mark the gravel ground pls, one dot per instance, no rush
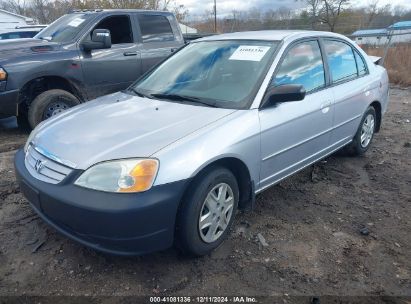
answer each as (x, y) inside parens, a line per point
(303, 238)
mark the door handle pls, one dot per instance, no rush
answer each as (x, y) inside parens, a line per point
(325, 107)
(130, 53)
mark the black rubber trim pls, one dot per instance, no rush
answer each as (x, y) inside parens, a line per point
(8, 103)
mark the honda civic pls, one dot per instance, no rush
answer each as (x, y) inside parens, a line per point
(171, 159)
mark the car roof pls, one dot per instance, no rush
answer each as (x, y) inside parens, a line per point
(270, 35)
(120, 11)
(23, 27)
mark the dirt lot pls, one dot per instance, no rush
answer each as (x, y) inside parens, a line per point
(311, 222)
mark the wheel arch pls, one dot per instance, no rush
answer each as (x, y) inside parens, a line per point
(378, 112)
(34, 87)
(241, 173)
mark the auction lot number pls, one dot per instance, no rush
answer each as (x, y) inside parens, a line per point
(202, 300)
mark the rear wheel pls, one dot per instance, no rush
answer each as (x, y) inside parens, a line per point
(207, 212)
(50, 103)
(365, 133)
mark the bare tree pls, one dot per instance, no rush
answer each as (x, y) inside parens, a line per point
(331, 11)
(314, 8)
(179, 10)
(14, 6)
(371, 11)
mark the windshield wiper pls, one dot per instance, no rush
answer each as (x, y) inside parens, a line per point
(138, 93)
(178, 97)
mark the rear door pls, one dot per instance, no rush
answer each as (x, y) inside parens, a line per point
(158, 38)
(110, 70)
(350, 86)
(294, 134)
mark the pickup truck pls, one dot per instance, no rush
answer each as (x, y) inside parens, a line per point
(81, 56)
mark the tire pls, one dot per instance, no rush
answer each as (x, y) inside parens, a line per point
(192, 240)
(360, 145)
(23, 123)
(50, 103)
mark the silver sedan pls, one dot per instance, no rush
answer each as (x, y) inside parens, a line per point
(171, 159)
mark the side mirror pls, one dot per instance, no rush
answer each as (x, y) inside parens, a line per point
(100, 39)
(283, 93)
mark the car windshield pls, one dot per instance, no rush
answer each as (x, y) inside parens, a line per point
(65, 28)
(223, 74)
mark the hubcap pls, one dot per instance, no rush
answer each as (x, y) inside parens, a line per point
(216, 212)
(367, 130)
(54, 108)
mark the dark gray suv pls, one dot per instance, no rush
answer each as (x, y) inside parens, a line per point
(81, 56)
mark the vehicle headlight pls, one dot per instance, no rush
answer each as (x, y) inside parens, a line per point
(3, 74)
(128, 175)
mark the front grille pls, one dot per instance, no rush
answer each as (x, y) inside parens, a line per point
(44, 168)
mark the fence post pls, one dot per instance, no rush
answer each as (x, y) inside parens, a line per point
(386, 47)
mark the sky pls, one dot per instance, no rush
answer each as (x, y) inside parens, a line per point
(224, 7)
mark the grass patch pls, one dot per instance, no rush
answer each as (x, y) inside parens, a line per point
(397, 62)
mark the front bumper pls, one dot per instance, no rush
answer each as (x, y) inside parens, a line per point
(114, 223)
(8, 103)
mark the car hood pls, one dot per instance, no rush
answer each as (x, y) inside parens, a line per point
(10, 48)
(120, 126)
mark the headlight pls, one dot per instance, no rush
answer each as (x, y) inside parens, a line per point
(129, 175)
(3, 74)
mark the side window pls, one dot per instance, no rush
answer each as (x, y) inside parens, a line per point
(155, 28)
(341, 60)
(303, 65)
(119, 27)
(362, 67)
(14, 36)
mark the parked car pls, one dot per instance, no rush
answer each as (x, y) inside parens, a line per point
(171, 159)
(81, 56)
(28, 31)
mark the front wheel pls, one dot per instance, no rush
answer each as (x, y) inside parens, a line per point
(365, 133)
(207, 212)
(48, 104)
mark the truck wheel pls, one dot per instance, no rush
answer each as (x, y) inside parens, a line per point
(23, 123)
(207, 212)
(48, 104)
(365, 133)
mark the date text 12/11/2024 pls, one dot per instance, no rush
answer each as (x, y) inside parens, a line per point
(204, 299)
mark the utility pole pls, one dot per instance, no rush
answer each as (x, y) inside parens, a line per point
(215, 16)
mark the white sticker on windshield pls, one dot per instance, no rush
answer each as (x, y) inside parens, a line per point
(76, 22)
(249, 52)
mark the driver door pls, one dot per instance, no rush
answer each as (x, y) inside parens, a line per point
(110, 70)
(294, 134)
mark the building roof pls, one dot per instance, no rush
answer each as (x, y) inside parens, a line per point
(16, 15)
(370, 32)
(400, 25)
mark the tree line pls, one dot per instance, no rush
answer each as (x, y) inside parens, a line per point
(330, 15)
(46, 11)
